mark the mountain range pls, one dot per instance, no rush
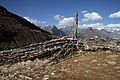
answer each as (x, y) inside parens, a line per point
(85, 33)
(55, 31)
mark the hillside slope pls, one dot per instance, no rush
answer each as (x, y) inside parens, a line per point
(15, 31)
(88, 66)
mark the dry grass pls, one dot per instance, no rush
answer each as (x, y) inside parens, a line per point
(89, 66)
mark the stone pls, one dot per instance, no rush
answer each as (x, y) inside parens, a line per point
(111, 62)
(93, 61)
(52, 73)
(113, 57)
(117, 67)
(75, 60)
(46, 77)
(87, 71)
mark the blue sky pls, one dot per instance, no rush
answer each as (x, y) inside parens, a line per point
(44, 11)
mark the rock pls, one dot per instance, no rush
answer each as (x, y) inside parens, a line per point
(52, 73)
(87, 71)
(25, 77)
(46, 61)
(75, 60)
(111, 62)
(98, 64)
(93, 61)
(28, 61)
(105, 65)
(117, 67)
(46, 77)
(29, 68)
(113, 57)
(37, 77)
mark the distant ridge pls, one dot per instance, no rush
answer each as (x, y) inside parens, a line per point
(55, 31)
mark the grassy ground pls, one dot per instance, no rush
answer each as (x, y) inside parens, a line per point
(88, 66)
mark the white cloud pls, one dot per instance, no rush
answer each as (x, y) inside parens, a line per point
(84, 12)
(91, 16)
(58, 17)
(34, 21)
(84, 20)
(66, 21)
(114, 25)
(98, 26)
(44, 22)
(115, 15)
